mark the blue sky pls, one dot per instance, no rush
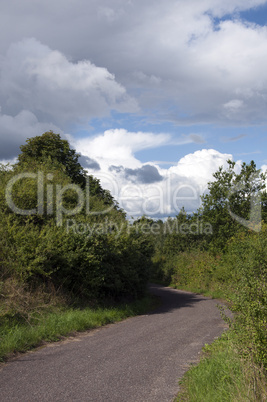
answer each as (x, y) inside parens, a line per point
(155, 95)
(243, 142)
(257, 15)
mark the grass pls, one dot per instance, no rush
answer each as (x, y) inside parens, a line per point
(222, 376)
(52, 326)
(213, 293)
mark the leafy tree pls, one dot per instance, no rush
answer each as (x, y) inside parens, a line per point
(50, 146)
(49, 149)
(232, 200)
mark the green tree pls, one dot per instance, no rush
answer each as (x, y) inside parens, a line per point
(50, 149)
(50, 146)
(232, 200)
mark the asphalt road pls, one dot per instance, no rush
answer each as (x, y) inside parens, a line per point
(139, 359)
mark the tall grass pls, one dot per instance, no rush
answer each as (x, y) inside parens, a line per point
(223, 376)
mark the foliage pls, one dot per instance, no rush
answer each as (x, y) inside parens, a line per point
(249, 261)
(233, 195)
(240, 275)
(93, 258)
(50, 146)
(195, 269)
(50, 150)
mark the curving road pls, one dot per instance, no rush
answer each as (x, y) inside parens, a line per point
(139, 359)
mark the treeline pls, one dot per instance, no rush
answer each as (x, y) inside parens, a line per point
(43, 259)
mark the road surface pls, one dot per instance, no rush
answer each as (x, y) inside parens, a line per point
(140, 359)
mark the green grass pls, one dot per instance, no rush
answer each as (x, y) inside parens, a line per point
(222, 376)
(21, 337)
(213, 293)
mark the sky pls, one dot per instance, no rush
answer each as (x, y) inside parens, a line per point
(154, 95)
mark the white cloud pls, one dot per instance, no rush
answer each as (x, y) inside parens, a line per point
(42, 90)
(200, 164)
(180, 186)
(160, 50)
(117, 147)
(203, 67)
(171, 58)
(146, 188)
(45, 82)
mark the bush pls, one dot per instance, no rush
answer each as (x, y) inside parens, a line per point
(36, 251)
(250, 297)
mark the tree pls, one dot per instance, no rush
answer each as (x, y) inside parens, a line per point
(50, 146)
(234, 201)
(51, 149)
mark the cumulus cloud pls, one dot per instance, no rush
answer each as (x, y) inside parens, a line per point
(213, 70)
(117, 146)
(180, 186)
(200, 164)
(146, 188)
(89, 163)
(147, 174)
(45, 82)
(42, 90)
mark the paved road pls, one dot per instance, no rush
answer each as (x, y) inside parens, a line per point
(139, 359)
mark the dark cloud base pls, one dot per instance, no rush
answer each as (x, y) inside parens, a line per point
(147, 174)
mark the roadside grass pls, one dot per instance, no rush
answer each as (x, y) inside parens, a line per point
(21, 337)
(222, 375)
(213, 293)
